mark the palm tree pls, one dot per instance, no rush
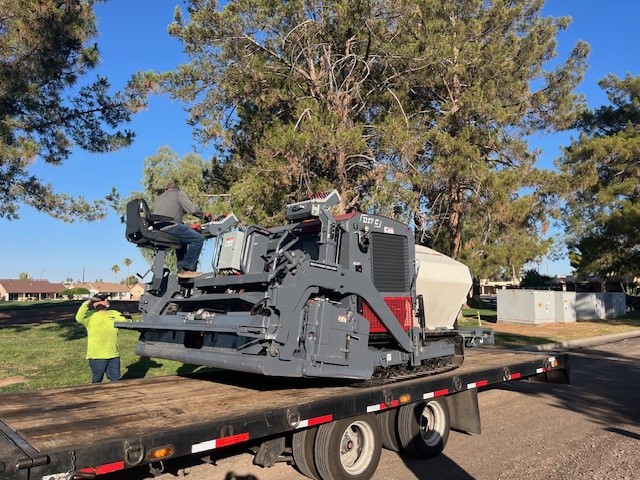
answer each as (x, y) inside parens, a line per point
(115, 269)
(127, 263)
(24, 276)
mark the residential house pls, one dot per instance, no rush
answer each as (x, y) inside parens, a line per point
(487, 289)
(24, 290)
(137, 290)
(117, 291)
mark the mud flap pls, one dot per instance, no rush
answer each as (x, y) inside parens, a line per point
(464, 411)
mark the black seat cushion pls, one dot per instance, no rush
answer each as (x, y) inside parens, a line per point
(144, 228)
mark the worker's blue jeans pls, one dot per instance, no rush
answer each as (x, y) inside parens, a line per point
(100, 366)
(191, 241)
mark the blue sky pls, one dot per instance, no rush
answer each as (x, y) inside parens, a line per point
(133, 36)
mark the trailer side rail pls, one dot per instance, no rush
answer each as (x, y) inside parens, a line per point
(24, 458)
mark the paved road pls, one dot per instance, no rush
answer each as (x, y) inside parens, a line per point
(53, 312)
(588, 430)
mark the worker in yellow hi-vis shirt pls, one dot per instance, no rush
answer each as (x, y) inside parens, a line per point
(102, 337)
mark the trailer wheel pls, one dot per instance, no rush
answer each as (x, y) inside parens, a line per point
(348, 449)
(423, 427)
(389, 428)
(302, 446)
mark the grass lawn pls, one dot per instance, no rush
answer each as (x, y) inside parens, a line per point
(53, 355)
(34, 305)
(515, 336)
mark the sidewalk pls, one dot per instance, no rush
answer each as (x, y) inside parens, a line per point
(583, 342)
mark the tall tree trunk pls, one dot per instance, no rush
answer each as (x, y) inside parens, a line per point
(455, 221)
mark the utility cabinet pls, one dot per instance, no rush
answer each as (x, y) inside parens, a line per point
(535, 307)
(531, 307)
(600, 305)
(565, 305)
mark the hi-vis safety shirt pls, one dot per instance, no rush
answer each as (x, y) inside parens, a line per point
(102, 336)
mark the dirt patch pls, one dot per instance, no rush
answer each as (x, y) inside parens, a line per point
(6, 382)
(564, 331)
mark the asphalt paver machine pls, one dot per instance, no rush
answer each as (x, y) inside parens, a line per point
(347, 296)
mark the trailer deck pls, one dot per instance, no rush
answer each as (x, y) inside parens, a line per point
(110, 427)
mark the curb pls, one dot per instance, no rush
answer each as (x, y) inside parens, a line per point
(583, 342)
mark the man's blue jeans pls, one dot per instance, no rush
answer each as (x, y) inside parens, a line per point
(191, 241)
(100, 366)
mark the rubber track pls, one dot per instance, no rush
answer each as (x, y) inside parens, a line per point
(387, 376)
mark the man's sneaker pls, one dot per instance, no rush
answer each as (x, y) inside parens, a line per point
(188, 274)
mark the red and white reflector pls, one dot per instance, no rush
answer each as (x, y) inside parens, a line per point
(437, 393)
(219, 442)
(310, 422)
(106, 468)
(382, 406)
(478, 384)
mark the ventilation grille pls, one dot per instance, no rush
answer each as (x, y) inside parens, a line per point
(389, 263)
(401, 308)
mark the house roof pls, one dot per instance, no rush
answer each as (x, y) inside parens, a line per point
(31, 286)
(104, 287)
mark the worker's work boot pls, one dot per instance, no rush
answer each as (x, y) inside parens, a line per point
(188, 274)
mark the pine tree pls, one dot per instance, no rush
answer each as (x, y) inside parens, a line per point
(602, 175)
(417, 110)
(45, 49)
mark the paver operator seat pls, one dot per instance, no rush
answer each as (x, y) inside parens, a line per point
(145, 230)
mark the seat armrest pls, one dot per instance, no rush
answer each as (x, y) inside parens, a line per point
(160, 218)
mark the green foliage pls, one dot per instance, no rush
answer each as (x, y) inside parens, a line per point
(532, 279)
(602, 177)
(74, 292)
(415, 110)
(190, 172)
(45, 49)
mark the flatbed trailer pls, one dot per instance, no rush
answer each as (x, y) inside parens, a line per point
(83, 431)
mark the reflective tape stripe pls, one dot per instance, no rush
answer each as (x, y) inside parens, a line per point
(481, 383)
(382, 406)
(437, 393)
(315, 421)
(219, 442)
(107, 468)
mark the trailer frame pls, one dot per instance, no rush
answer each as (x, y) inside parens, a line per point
(61, 433)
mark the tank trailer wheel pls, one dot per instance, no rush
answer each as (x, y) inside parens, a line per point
(302, 447)
(389, 427)
(423, 427)
(348, 449)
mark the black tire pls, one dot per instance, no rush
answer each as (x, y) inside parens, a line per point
(389, 428)
(423, 427)
(302, 447)
(348, 449)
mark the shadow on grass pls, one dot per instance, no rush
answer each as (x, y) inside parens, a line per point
(631, 319)
(53, 304)
(188, 368)
(15, 328)
(471, 314)
(67, 331)
(512, 340)
(140, 368)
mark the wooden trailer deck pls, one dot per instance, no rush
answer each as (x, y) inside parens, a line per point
(65, 418)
